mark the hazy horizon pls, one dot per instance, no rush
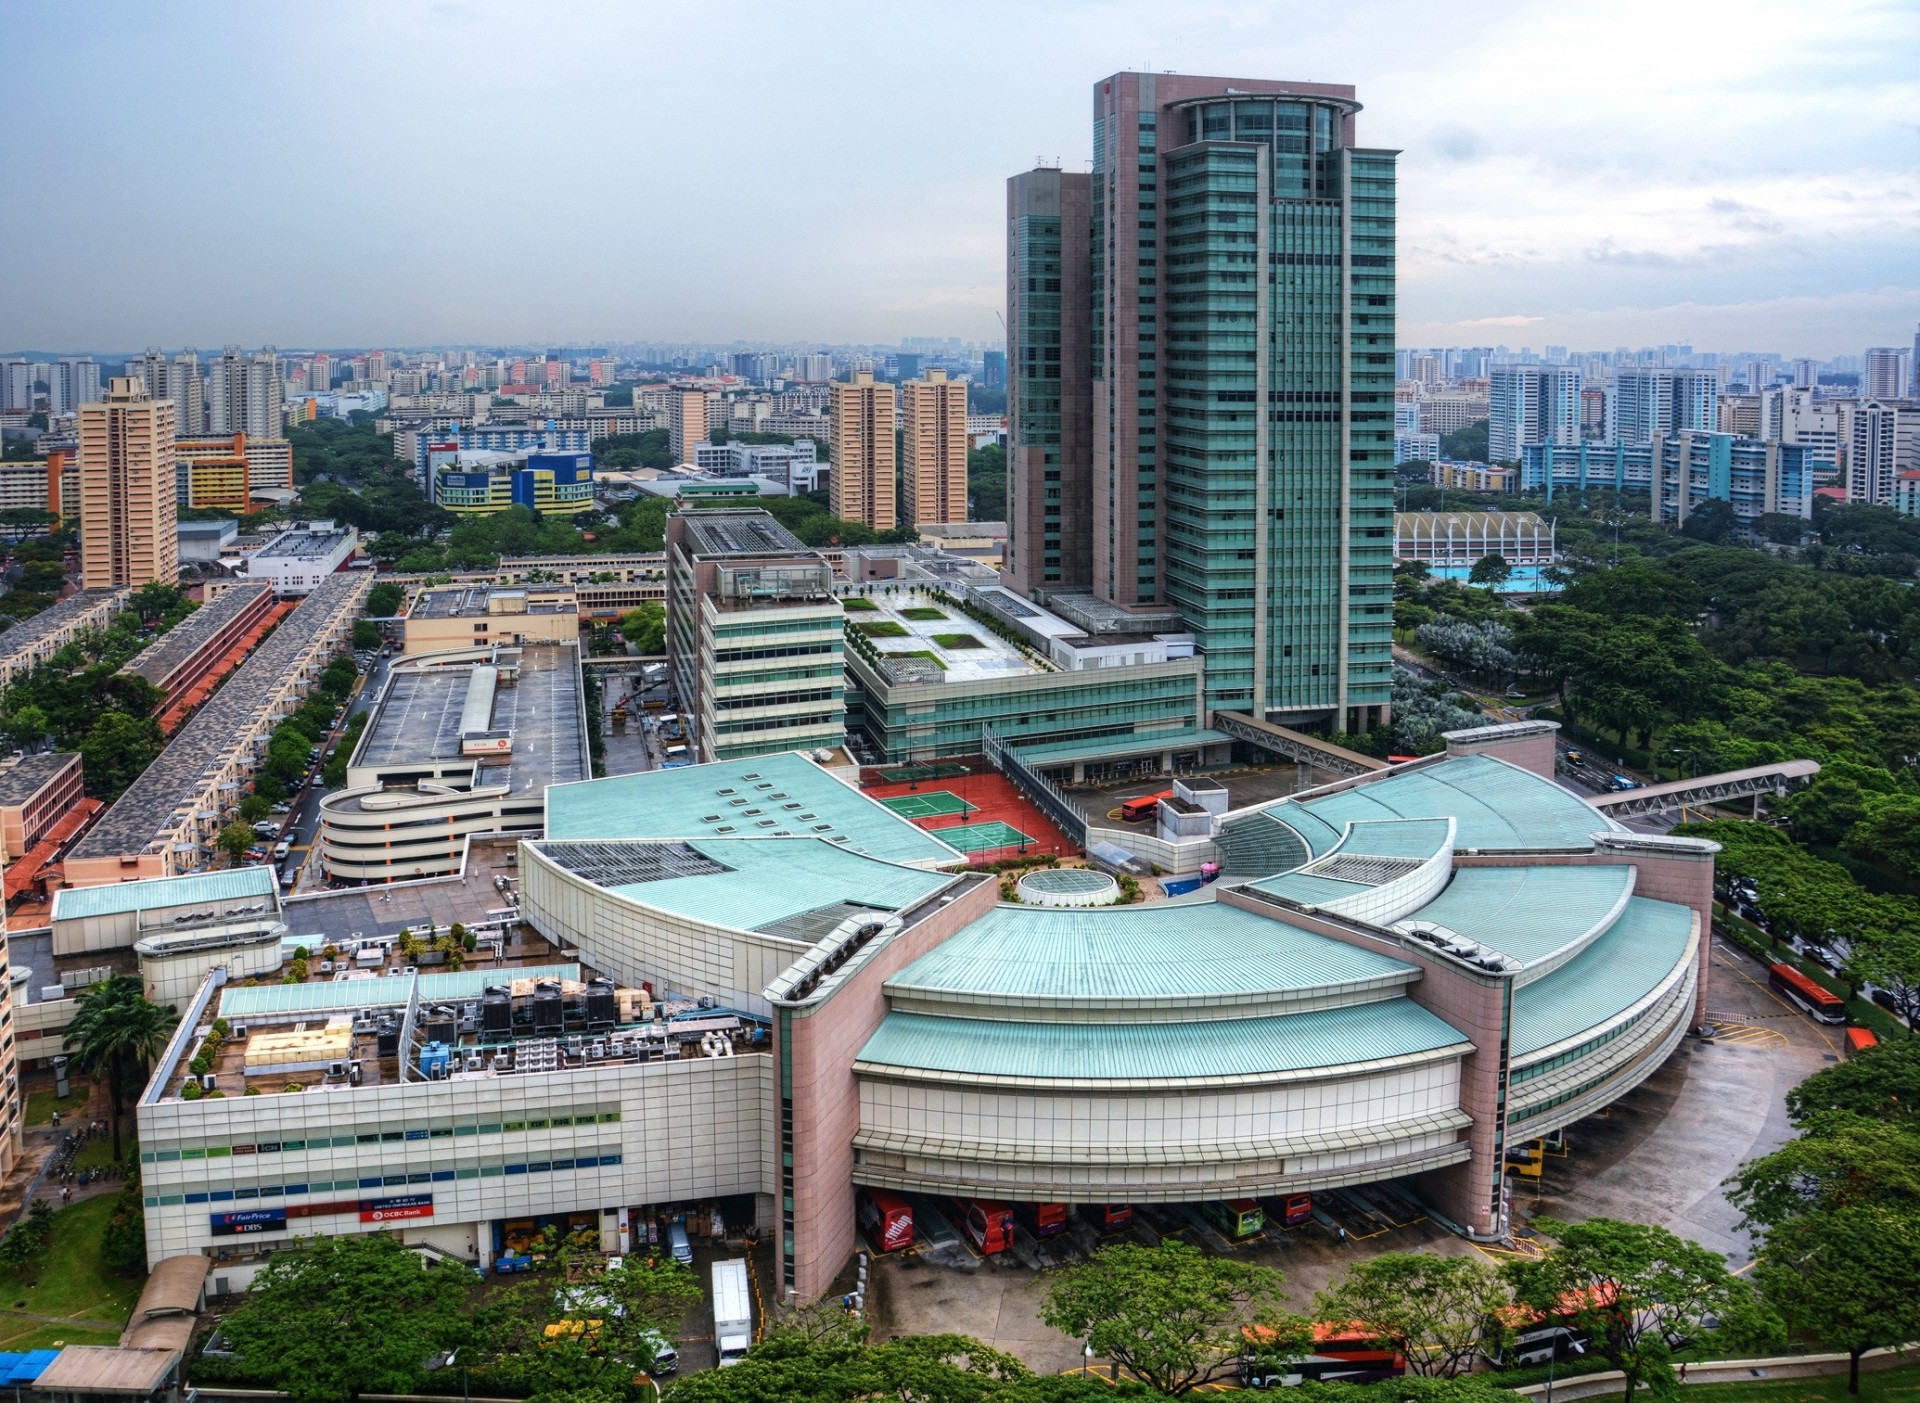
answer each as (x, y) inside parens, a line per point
(1738, 177)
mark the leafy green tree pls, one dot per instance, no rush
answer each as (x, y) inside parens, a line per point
(1880, 1083)
(1434, 1309)
(1888, 955)
(1842, 1161)
(255, 807)
(645, 627)
(987, 483)
(1466, 445)
(332, 1317)
(116, 1033)
(1712, 521)
(28, 725)
(116, 751)
(234, 840)
(1638, 1291)
(366, 636)
(1493, 570)
(1171, 1315)
(153, 601)
(384, 600)
(1846, 1279)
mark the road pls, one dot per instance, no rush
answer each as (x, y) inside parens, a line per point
(303, 823)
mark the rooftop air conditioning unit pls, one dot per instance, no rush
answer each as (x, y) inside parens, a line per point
(238, 1030)
(209, 1081)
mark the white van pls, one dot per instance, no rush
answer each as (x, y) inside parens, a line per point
(281, 849)
(678, 1244)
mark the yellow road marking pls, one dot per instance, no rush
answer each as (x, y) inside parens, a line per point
(1734, 965)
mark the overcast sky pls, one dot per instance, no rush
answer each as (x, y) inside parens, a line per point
(359, 172)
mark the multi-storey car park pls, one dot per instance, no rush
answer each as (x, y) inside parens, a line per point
(460, 743)
(1397, 975)
(166, 822)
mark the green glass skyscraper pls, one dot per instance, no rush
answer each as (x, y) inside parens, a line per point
(1235, 461)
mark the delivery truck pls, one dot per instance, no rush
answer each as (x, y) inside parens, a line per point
(732, 1312)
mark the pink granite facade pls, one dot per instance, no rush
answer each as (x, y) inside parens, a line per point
(821, 1100)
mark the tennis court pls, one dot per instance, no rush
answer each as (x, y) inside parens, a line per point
(907, 773)
(938, 804)
(980, 837)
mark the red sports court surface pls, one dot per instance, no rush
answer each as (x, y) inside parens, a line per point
(993, 799)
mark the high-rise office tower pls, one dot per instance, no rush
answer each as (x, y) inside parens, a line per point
(993, 370)
(129, 534)
(933, 412)
(686, 423)
(76, 381)
(245, 393)
(861, 427)
(1650, 402)
(1883, 373)
(1239, 253)
(1049, 409)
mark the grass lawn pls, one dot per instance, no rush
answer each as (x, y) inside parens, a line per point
(98, 1154)
(38, 1335)
(919, 653)
(854, 604)
(42, 1104)
(69, 1281)
(1827, 1388)
(957, 640)
(883, 628)
(922, 613)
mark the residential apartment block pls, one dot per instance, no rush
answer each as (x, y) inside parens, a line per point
(863, 454)
(127, 490)
(934, 418)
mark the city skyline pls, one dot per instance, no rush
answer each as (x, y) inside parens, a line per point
(1564, 178)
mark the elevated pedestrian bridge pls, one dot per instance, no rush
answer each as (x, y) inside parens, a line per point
(1781, 778)
(1295, 745)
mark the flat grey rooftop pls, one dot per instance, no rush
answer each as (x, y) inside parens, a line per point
(469, 602)
(29, 632)
(174, 649)
(208, 739)
(302, 545)
(25, 778)
(420, 718)
(711, 532)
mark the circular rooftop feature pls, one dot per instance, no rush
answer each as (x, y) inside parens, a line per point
(1068, 886)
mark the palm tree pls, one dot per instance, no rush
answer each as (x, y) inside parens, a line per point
(116, 1033)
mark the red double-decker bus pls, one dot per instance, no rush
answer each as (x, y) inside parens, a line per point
(1813, 999)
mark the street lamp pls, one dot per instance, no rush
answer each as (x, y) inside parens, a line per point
(1086, 1359)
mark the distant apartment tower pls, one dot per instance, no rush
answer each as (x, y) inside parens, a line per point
(76, 381)
(1883, 372)
(128, 518)
(1531, 404)
(1650, 402)
(934, 416)
(993, 370)
(1240, 436)
(1884, 442)
(245, 393)
(16, 384)
(686, 423)
(177, 380)
(862, 424)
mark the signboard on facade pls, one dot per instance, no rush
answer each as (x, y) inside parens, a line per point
(248, 1220)
(387, 1210)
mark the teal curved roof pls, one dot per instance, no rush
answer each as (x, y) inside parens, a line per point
(1208, 950)
(1418, 838)
(1237, 1047)
(698, 801)
(1605, 979)
(771, 880)
(1529, 913)
(1497, 806)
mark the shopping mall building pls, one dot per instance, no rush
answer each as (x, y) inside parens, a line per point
(756, 987)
